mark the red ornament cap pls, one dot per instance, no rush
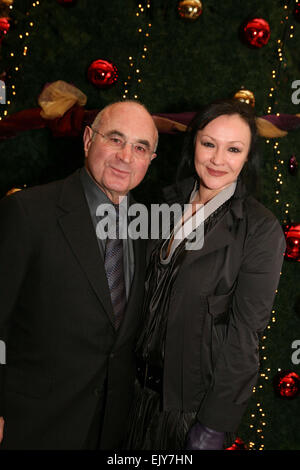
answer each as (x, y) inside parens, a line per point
(102, 73)
(257, 32)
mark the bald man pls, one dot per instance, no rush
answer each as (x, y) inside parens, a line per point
(70, 299)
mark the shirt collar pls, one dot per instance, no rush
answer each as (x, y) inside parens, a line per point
(95, 195)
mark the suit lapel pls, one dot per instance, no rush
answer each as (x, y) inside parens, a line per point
(77, 226)
(132, 313)
(130, 320)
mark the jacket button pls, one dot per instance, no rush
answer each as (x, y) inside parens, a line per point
(97, 392)
(112, 355)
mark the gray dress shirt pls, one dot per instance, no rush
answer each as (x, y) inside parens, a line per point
(96, 197)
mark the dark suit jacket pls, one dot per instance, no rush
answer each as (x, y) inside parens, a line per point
(57, 320)
(220, 303)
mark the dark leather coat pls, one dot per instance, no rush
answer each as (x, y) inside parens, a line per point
(219, 304)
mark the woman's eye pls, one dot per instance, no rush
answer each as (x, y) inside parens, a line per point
(207, 144)
(234, 150)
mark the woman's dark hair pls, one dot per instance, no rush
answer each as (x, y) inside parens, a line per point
(206, 115)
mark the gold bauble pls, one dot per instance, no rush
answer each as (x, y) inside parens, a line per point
(13, 190)
(245, 96)
(190, 9)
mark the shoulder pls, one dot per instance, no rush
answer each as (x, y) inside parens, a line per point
(258, 214)
(247, 207)
(30, 203)
(37, 194)
(37, 198)
(262, 224)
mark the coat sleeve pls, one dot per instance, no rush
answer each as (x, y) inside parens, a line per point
(13, 256)
(237, 365)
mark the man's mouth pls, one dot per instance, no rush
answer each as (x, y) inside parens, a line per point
(120, 172)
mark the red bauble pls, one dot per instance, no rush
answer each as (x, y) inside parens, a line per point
(66, 3)
(297, 11)
(257, 32)
(4, 27)
(238, 445)
(287, 384)
(292, 237)
(293, 165)
(102, 73)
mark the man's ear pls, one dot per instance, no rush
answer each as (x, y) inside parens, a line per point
(154, 155)
(87, 139)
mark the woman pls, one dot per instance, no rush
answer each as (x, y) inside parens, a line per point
(206, 307)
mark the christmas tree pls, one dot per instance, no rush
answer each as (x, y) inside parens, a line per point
(173, 57)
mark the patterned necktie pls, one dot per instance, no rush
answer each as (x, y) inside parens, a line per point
(113, 263)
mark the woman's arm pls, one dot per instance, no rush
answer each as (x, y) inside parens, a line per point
(237, 365)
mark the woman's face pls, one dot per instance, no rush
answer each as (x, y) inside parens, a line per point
(221, 149)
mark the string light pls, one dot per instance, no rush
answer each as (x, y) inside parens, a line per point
(278, 167)
(259, 417)
(134, 79)
(22, 36)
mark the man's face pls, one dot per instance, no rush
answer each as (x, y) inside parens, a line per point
(118, 170)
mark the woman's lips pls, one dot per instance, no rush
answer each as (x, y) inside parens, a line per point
(215, 172)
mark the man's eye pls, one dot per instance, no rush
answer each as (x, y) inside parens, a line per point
(115, 140)
(234, 150)
(140, 149)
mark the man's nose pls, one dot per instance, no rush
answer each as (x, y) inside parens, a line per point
(125, 153)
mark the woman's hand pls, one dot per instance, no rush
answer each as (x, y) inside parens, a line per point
(203, 438)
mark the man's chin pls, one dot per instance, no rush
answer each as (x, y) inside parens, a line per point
(120, 188)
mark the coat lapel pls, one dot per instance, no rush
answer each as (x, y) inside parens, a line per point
(132, 313)
(77, 226)
(218, 237)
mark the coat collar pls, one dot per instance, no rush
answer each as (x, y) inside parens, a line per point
(238, 198)
(180, 193)
(223, 233)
